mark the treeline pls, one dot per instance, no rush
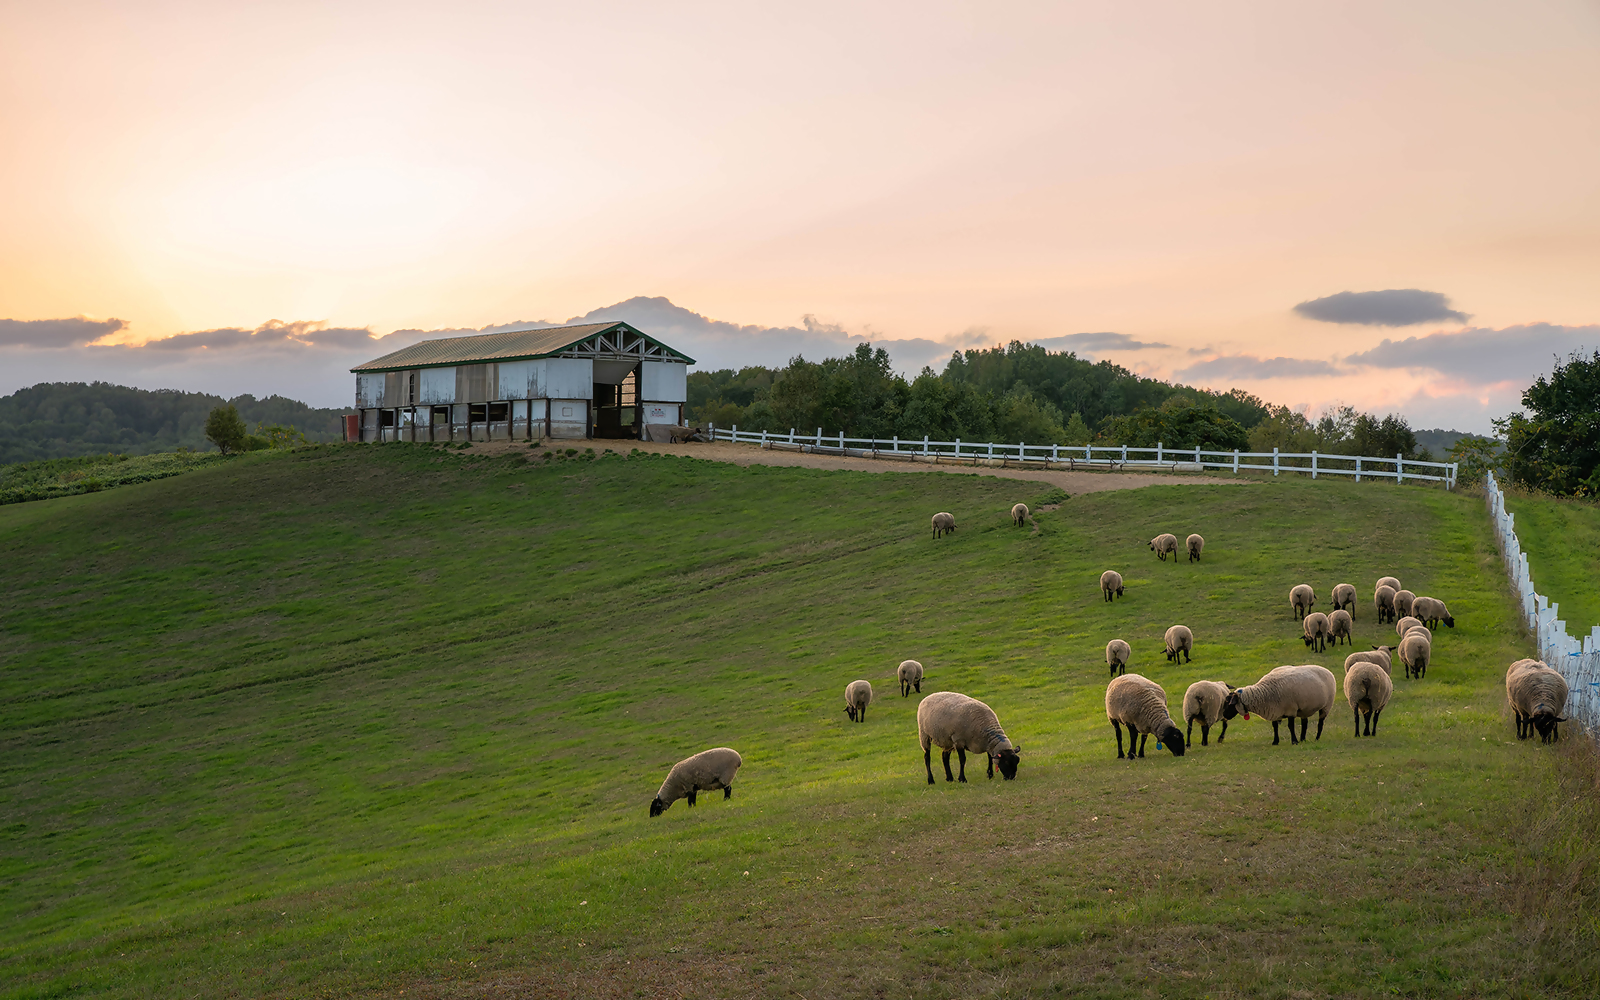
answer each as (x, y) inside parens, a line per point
(1023, 392)
(65, 419)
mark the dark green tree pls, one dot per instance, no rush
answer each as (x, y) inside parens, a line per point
(225, 429)
(1556, 445)
(1179, 424)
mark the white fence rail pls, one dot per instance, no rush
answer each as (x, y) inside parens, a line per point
(1398, 468)
(1578, 660)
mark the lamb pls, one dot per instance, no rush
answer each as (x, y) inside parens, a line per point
(1140, 704)
(1301, 599)
(1538, 696)
(1405, 625)
(1288, 692)
(1019, 514)
(944, 522)
(1390, 582)
(1415, 651)
(1179, 640)
(1432, 611)
(706, 771)
(1203, 701)
(1162, 544)
(1194, 543)
(1383, 597)
(1402, 602)
(1344, 597)
(1118, 653)
(1377, 654)
(857, 696)
(1367, 688)
(1341, 626)
(956, 722)
(910, 674)
(1111, 582)
(1315, 627)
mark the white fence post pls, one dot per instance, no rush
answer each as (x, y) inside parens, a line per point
(1055, 452)
(841, 441)
(924, 444)
(1358, 468)
(1313, 463)
(1274, 461)
(1158, 452)
(1197, 458)
(897, 444)
(819, 437)
(712, 425)
(791, 435)
(1399, 467)
(1124, 454)
(1236, 461)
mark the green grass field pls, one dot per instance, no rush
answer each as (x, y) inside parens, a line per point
(1562, 539)
(357, 720)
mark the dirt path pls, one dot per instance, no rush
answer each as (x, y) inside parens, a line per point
(1075, 483)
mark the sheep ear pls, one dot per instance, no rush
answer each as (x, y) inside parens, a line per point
(1016, 748)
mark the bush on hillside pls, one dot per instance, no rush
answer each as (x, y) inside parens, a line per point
(226, 430)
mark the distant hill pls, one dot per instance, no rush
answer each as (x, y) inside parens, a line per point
(1440, 440)
(66, 419)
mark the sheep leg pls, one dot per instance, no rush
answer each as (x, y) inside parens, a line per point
(863, 714)
(1305, 724)
(1144, 737)
(991, 768)
(1224, 731)
(1118, 727)
(927, 760)
(963, 755)
(1205, 736)
(1188, 739)
(1321, 716)
(1275, 732)
(691, 798)
(727, 792)
(1372, 723)
(1186, 657)
(948, 774)
(919, 687)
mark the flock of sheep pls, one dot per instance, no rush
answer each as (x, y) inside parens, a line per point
(958, 723)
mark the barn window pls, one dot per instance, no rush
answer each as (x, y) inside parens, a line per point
(499, 412)
(478, 413)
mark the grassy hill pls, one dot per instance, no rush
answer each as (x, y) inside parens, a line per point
(1562, 538)
(355, 720)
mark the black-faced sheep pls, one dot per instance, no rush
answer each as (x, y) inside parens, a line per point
(677, 434)
(857, 696)
(1383, 600)
(1289, 692)
(1301, 599)
(1019, 514)
(1195, 544)
(1203, 701)
(956, 722)
(1415, 651)
(910, 674)
(1380, 655)
(1161, 545)
(1388, 581)
(1179, 640)
(1367, 688)
(1140, 704)
(1111, 583)
(1118, 653)
(706, 771)
(1538, 696)
(944, 523)
(1406, 624)
(1341, 626)
(1315, 629)
(1344, 597)
(1432, 611)
(1402, 602)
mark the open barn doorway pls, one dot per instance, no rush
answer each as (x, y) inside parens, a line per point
(616, 399)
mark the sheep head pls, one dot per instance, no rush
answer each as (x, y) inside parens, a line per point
(1234, 705)
(1449, 621)
(657, 807)
(1007, 761)
(1172, 738)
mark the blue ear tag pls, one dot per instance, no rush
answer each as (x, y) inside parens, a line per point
(1158, 744)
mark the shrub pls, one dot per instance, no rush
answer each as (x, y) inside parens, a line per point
(225, 429)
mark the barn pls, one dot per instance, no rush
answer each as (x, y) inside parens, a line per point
(599, 380)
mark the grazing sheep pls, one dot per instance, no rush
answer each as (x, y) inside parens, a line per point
(955, 722)
(1415, 651)
(1019, 514)
(1432, 611)
(1344, 598)
(1538, 696)
(944, 522)
(1377, 654)
(1405, 625)
(1383, 598)
(1301, 599)
(1179, 640)
(1288, 692)
(1118, 653)
(1140, 704)
(706, 771)
(1367, 688)
(1388, 581)
(1111, 582)
(1421, 630)
(1203, 701)
(1163, 544)
(910, 674)
(677, 434)
(1341, 626)
(857, 696)
(1315, 627)
(1402, 602)
(1195, 544)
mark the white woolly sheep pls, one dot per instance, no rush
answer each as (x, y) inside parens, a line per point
(1406, 624)
(1179, 640)
(1388, 581)
(1538, 696)
(1301, 599)
(1432, 611)
(1383, 599)
(1344, 597)
(1341, 626)
(1421, 630)
(706, 771)
(857, 696)
(1367, 688)
(1019, 514)
(1195, 545)
(956, 722)
(1140, 704)
(1402, 602)
(1203, 701)
(1163, 544)
(910, 674)
(944, 522)
(1315, 628)
(1415, 651)
(1118, 653)
(1381, 655)
(1289, 692)
(1111, 583)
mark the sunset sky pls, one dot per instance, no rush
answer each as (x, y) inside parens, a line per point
(244, 197)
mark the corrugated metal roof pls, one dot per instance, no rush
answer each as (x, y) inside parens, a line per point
(511, 345)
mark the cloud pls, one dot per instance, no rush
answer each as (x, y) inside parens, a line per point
(1097, 342)
(1245, 366)
(1482, 355)
(271, 333)
(1391, 307)
(56, 332)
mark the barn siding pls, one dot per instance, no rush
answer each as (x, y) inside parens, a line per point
(369, 390)
(438, 385)
(569, 378)
(664, 381)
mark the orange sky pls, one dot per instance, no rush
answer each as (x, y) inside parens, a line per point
(1183, 174)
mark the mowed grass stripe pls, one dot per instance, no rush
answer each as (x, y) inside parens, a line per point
(373, 718)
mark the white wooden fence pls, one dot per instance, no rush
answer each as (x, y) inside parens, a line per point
(1578, 660)
(1398, 468)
